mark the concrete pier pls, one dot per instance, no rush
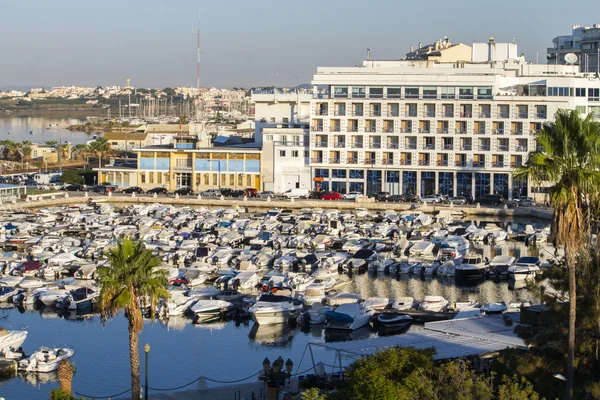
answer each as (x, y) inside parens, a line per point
(8, 368)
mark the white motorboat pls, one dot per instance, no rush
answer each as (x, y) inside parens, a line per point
(275, 307)
(472, 268)
(350, 316)
(51, 297)
(314, 293)
(499, 266)
(376, 303)
(179, 304)
(403, 303)
(421, 248)
(88, 271)
(11, 340)
(209, 310)
(433, 303)
(447, 269)
(45, 359)
(343, 298)
(7, 293)
(245, 280)
(393, 322)
(494, 308)
(315, 315)
(524, 269)
(29, 282)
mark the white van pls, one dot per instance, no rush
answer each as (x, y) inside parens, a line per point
(297, 193)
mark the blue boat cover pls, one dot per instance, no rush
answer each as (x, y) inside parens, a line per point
(339, 317)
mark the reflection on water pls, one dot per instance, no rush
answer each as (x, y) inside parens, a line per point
(44, 129)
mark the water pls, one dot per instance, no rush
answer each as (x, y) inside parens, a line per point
(44, 129)
(181, 352)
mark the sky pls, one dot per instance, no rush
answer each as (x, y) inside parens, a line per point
(248, 43)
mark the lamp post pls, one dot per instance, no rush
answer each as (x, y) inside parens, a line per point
(273, 373)
(146, 350)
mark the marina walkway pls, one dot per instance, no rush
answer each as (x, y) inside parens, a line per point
(242, 391)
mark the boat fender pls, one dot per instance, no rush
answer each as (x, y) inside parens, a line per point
(264, 288)
(274, 290)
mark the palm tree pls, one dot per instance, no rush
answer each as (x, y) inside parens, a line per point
(568, 156)
(131, 276)
(99, 146)
(51, 143)
(80, 149)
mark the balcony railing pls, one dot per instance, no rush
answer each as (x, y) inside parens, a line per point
(503, 148)
(424, 130)
(423, 162)
(353, 129)
(478, 131)
(339, 113)
(449, 114)
(411, 146)
(321, 144)
(335, 128)
(478, 164)
(376, 113)
(406, 130)
(465, 115)
(316, 160)
(430, 114)
(357, 113)
(357, 145)
(516, 132)
(388, 161)
(374, 145)
(442, 163)
(352, 160)
(369, 161)
(484, 147)
(340, 144)
(498, 164)
(411, 114)
(461, 131)
(523, 115)
(541, 115)
(394, 113)
(340, 95)
(448, 146)
(498, 131)
(388, 129)
(406, 162)
(376, 95)
(430, 146)
(466, 147)
(318, 128)
(484, 115)
(442, 130)
(516, 164)
(521, 148)
(370, 129)
(503, 115)
(460, 163)
(323, 112)
(393, 145)
(334, 160)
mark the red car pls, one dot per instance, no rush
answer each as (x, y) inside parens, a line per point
(331, 196)
(250, 192)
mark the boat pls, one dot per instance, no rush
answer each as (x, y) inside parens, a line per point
(433, 303)
(275, 307)
(494, 308)
(343, 298)
(178, 304)
(209, 310)
(11, 340)
(525, 268)
(315, 315)
(421, 248)
(499, 266)
(376, 303)
(471, 268)
(403, 303)
(351, 316)
(7, 293)
(45, 359)
(79, 299)
(51, 297)
(391, 322)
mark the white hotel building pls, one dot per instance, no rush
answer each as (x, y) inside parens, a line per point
(451, 121)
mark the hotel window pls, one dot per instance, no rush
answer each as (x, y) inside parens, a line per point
(206, 179)
(340, 91)
(198, 179)
(338, 173)
(429, 92)
(447, 92)
(376, 92)
(159, 178)
(231, 180)
(465, 93)
(240, 180)
(249, 180)
(272, 120)
(283, 140)
(593, 94)
(358, 92)
(281, 153)
(143, 177)
(294, 153)
(393, 93)
(305, 153)
(215, 179)
(286, 120)
(268, 137)
(579, 92)
(411, 92)
(484, 92)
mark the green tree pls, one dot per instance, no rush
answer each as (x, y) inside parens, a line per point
(132, 276)
(51, 143)
(26, 149)
(99, 147)
(70, 177)
(568, 158)
(313, 394)
(80, 150)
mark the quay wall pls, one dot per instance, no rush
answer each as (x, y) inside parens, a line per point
(261, 205)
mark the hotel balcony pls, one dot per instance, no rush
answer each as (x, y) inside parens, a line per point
(484, 115)
(352, 161)
(516, 132)
(523, 115)
(484, 147)
(340, 144)
(318, 128)
(478, 164)
(516, 164)
(429, 146)
(541, 115)
(405, 162)
(498, 164)
(353, 128)
(375, 145)
(498, 131)
(503, 148)
(448, 147)
(406, 130)
(411, 146)
(334, 160)
(442, 163)
(424, 162)
(521, 148)
(320, 144)
(466, 147)
(316, 160)
(460, 163)
(442, 130)
(503, 115)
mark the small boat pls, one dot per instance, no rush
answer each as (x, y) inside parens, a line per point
(348, 317)
(403, 303)
(421, 248)
(209, 310)
(524, 269)
(51, 297)
(7, 293)
(499, 266)
(315, 315)
(376, 303)
(494, 308)
(471, 268)
(433, 303)
(343, 298)
(45, 359)
(11, 340)
(393, 322)
(275, 307)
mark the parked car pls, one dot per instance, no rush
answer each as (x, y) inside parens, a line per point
(133, 189)
(109, 186)
(237, 193)
(491, 199)
(296, 193)
(397, 198)
(382, 196)
(265, 194)
(99, 189)
(524, 202)
(455, 200)
(157, 190)
(432, 198)
(211, 192)
(226, 192)
(331, 196)
(186, 191)
(410, 197)
(250, 192)
(353, 196)
(76, 187)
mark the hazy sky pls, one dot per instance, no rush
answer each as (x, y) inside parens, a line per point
(249, 43)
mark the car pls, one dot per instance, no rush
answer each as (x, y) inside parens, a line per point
(109, 186)
(432, 198)
(226, 192)
(99, 189)
(382, 196)
(237, 193)
(331, 196)
(456, 200)
(491, 199)
(524, 202)
(157, 190)
(353, 196)
(186, 191)
(133, 189)
(397, 198)
(297, 193)
(265, 194)
(250, 192)
(76, 187)
(211, 192)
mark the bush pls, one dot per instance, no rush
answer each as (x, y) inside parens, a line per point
(70, 177)
(59, 394)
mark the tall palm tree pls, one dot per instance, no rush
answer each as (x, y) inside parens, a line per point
(132, 275)
(568, 156)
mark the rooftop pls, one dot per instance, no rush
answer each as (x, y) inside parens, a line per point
(125, 136)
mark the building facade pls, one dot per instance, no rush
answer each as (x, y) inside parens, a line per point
(584, 42)
(418, 127)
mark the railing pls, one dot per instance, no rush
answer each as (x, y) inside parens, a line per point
(460, 163)
(430, 114)
(369, 161)
(498, 131)
(388, 129)
(424, 130)
(465, 96)
(498, 164)
(405, 162)
(394, 113)
(448, 96)
(321, 144)
(521, 148)
(357, 113)
(442, 163)
(449, 114)
(334, 160)
(423, 162)
(318, 128)
(484, 115)
(335, 128)
(478, 131)
(522, 115)
(411, 95)
(411, 146)
(374, 145)
(448, 147)
(376, 95)
(376, 113)
(516, 164)
(340, 95)
(479, 164)
(465, 115)
(339, 113)
(541, 115)
(387, 162)
(442, 130)
(516, 132)
(503, 115)
(503, 148)
(370, 129)
(484, 147)
(393, 95)
(428, 147)
(340, 144)
(461, 131)
(323, 112)
(353, 129)
(411, 114)
(466, 147)
(359, 95)
(393, 146)
(357, 145)
(406, 130)
(352, 160)
(316, 160)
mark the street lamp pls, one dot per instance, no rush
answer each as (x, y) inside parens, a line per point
(273, 373)
(146, 350)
